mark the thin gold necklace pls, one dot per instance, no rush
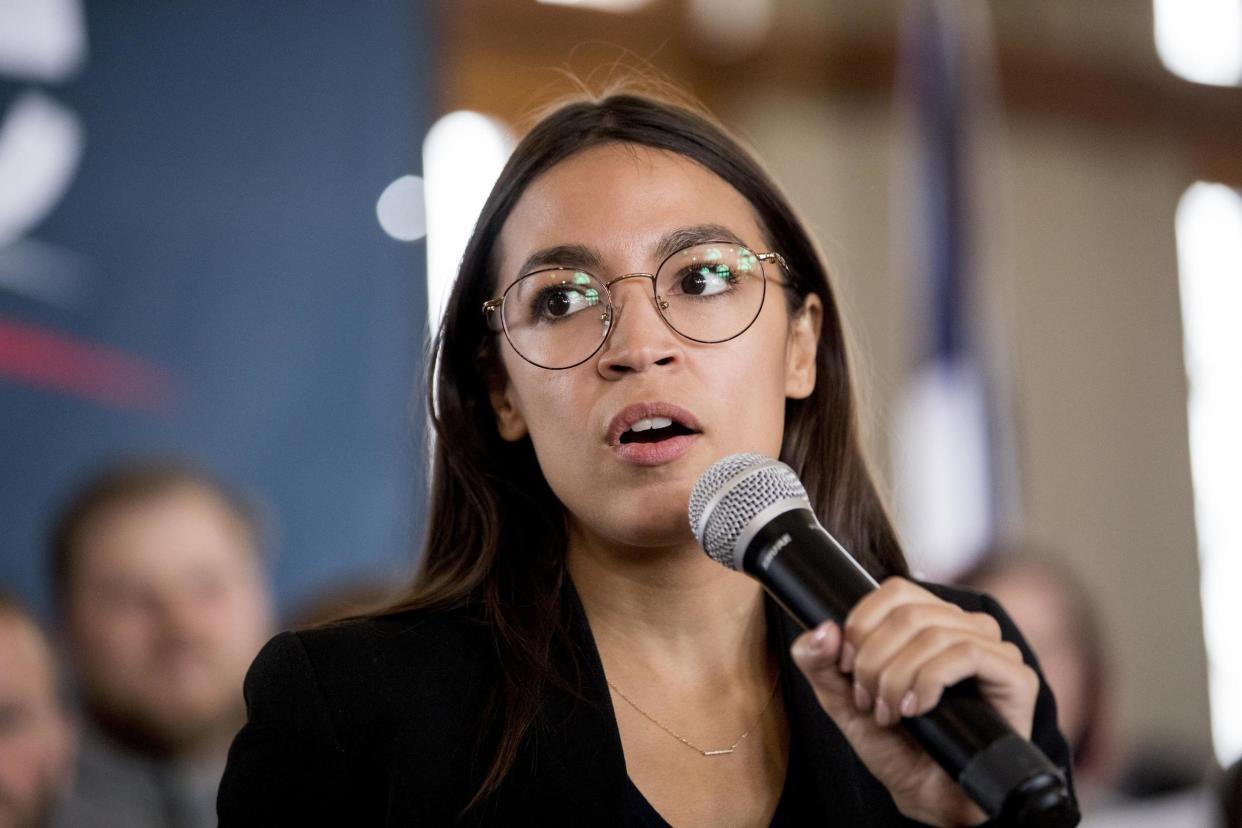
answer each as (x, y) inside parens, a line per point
(687, 742)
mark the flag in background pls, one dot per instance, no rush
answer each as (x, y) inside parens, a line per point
(955, 471)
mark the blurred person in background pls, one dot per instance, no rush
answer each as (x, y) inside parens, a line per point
(37, 735)
(162, 599)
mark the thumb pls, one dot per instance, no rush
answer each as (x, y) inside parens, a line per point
(816, 652)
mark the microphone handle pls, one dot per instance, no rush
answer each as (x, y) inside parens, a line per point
(815, 579)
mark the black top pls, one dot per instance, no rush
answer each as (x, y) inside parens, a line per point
(375, 722)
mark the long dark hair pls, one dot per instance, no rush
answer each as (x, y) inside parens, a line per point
(496, 533)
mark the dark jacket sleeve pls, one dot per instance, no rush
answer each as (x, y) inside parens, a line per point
(286, 765)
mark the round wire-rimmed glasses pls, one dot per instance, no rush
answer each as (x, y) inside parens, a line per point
(558, 317)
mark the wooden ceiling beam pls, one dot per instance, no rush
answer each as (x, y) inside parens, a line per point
(504, 56)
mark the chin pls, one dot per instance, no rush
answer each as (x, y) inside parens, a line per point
(653, 529)
(168, 733)
(169, 729)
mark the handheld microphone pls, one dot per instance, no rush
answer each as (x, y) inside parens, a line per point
(751, 513)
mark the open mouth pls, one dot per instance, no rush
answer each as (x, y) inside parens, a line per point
(653, 430)
(652, 433)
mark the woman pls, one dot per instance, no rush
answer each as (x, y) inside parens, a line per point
(637, 301)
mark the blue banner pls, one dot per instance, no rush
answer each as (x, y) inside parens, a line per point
(190, 264)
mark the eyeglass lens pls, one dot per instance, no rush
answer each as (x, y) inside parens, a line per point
(707, 293)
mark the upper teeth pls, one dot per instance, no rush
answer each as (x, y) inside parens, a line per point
(653, 422)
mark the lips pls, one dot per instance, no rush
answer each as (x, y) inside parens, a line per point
(637, 432)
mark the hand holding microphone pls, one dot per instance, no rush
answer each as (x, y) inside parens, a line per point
(962, 693)
(915, 645)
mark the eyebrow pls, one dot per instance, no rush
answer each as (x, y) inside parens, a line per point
(582, 257)
(562, 255)
(684, 237)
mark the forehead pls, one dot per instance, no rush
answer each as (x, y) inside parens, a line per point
(179, 527)
(619, 201)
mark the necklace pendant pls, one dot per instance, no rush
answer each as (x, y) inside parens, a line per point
(682, 739)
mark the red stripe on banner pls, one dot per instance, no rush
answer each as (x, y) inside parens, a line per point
(46, 359)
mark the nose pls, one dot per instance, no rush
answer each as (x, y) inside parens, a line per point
(640, 338)
(179, 615)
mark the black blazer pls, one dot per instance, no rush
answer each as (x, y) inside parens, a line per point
(375, 722)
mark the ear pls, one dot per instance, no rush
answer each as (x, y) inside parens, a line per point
(510, 423)
(801, 347)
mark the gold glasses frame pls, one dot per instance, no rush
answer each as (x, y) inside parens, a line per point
(493, 308)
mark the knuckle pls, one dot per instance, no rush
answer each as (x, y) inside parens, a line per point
(851, 632)
(894, 586)
(935, 638)
(1031, 678)
(967, 650)
(852, 627)
(890, 684)
(906, 616)
(931, 678)
(988, 625)
(864, 672)
(926, 682)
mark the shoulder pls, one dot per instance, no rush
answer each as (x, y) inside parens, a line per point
(358, 673)
(439, 640)
(335, 713)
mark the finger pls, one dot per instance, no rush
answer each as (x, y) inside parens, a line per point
(816, 653)
(869, 612)
(906, 622)
(895, 690)
(1010, 685)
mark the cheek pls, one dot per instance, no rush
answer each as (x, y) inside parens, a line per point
(556, 418)
(113, 633)
(749, 385)
(248, 620)
(21, 762)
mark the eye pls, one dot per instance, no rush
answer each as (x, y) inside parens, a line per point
(706, 280)
(557, 302)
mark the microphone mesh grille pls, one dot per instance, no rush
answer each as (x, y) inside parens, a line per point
(735, 490)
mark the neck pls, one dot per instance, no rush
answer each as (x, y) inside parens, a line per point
(668, 611)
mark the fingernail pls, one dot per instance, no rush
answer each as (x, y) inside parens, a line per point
(847, 657)
(829, 635)
(862, 699)
(881, 712)
(909, 703)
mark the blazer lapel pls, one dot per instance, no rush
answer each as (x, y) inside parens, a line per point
(579, 766)
(839, 775)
